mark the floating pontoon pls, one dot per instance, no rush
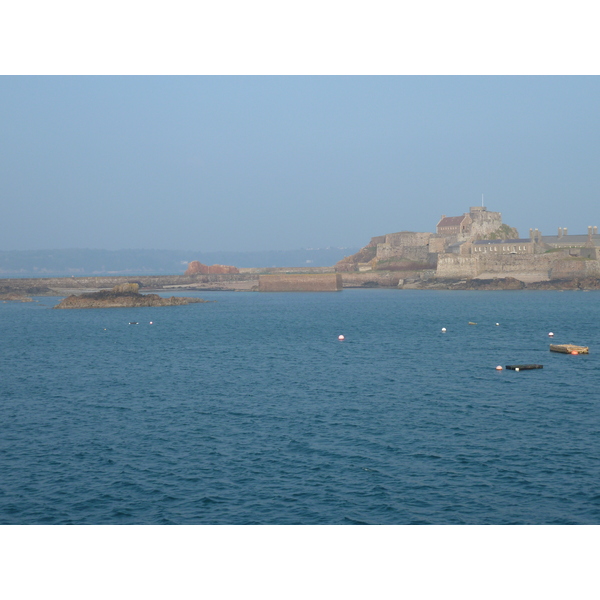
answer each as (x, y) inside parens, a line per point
(569, 348)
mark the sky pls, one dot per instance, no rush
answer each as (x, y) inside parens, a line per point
(253, 163)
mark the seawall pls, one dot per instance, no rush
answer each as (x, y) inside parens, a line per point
(155, 282)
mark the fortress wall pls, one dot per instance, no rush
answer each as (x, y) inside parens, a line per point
(575, 268)
(457, 266)
(413, 253)
(533, 266)
(378, 239)
(408, 238)
(327, 282)
(416, 253)
(506, 265)
(385, 251)
(437, 244)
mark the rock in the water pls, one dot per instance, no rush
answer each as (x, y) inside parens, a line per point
(125, 295)
(14, 297)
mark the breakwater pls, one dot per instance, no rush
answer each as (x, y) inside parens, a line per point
(155, 282)
(58, 286)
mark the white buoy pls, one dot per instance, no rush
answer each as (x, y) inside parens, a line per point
(497, 324)
(498, 368)
(517, 369)
(443, 330)
(150, 322)
(550, 334)
(341, 338)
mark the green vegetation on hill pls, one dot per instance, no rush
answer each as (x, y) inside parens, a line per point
(504, 232)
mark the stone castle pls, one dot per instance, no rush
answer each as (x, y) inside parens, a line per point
(478, 244)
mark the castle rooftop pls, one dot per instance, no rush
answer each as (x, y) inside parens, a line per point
(451, 221)
(574, 240)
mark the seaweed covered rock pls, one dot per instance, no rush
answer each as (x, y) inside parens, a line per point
(125, 295)
(125, 288)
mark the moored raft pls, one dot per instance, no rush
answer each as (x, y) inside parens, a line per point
(569, 348)
(523, 367)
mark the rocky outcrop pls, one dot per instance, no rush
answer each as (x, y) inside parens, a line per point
(14, 297)
(438, 283)
(123, 296)
(367, 254)
(503, 232)
(586, 283)
(197, 268)
(12, 293)
(126, 288)
(504, 283)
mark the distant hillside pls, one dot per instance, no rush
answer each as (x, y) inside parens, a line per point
(79, 262)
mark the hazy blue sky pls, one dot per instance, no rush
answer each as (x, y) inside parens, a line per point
(269, 163)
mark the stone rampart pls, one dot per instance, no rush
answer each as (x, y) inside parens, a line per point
(386, 251)
(437, 243)
(457, 266)
(522, 266)
(572, 268)
(416, 253)
(408, 238)
(327, 282)
(412, 253)
(378, 239)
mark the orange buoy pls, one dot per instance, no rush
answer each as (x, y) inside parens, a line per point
(574, 352)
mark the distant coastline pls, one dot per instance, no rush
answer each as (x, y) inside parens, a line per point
(20, 289)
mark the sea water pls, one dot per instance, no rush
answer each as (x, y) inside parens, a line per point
(249, 410)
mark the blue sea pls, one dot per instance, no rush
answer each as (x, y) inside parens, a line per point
(249, 410)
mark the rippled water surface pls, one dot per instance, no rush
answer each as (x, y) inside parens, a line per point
(249, 410)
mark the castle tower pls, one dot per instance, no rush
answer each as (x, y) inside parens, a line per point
(484, 222)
